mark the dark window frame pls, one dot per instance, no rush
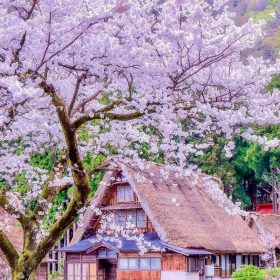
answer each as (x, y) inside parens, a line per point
(137, 223)
(80, 276)
(138, 264)
(122, 194)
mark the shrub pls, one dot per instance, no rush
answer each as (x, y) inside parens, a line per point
(249, 272)
(273, 273)
(55, 275)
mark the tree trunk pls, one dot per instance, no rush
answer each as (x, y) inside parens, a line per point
(23, 275)
(274, 258)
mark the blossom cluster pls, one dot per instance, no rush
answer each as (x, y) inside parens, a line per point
(124, 74)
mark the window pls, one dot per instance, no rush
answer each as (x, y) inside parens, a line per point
(123, 263)
(132, 263)
(136, 218)
(139, 263)
(124, 194)
(155, 264)
(85, 271)
(141, 218)
(120, 218)
(107, 254)
(145, 263)
(81, 271)
(245, 259)
(131, 217)
(216, 260)
(195, 264)
(256, 260)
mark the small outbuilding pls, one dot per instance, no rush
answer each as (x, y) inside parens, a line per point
(267, 227)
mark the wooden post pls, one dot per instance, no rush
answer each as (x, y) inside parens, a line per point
(227, 266)
(274, 202)
(223, 265)
(238, 261)
(274, 258)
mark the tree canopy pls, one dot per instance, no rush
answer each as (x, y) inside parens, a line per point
(81, 79)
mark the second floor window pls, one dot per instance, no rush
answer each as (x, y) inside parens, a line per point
(132, 217)
(124, 194)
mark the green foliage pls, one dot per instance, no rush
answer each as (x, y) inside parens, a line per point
(91, 162)
(243, 174)
(273, 273)
(266, 14)
(44, 160)
(58, 205)
(214, 162)
(55, 275)
(275, 83)
(249, 272)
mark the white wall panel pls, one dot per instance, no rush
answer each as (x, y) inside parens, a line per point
(179, 275)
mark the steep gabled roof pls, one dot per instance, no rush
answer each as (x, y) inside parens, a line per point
(181, 209)
(267, 226)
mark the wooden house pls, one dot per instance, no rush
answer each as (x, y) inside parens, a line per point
(185, 228)
(267, 227)
(15, 233)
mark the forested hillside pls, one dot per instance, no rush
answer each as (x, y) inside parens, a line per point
(268, 10)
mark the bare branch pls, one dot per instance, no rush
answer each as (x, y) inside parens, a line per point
(29, 13)
(76, 92)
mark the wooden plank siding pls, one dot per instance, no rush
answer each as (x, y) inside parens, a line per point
(81, 258)
(169, 261)
(173, 261)
(42, 272)
(112, 201)
(113, 198)
(218, 272)
(138, 275)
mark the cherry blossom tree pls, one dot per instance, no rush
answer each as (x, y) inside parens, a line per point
(84, 76)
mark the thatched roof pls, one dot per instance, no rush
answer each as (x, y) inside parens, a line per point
(267, 226)
(181, 209)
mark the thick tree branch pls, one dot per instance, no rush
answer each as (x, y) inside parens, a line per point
(8, 249)
(62, 224)
(80, 178)
(5, 204)
(111, 116)
(79, 175)
(101, 168)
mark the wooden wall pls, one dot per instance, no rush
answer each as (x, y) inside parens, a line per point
(136, 255)
(173, 261)
(113, 197)
(42, 272)
(169, 261)
(112, 201)
(77, 257)
(138, 275)
(218, 272)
